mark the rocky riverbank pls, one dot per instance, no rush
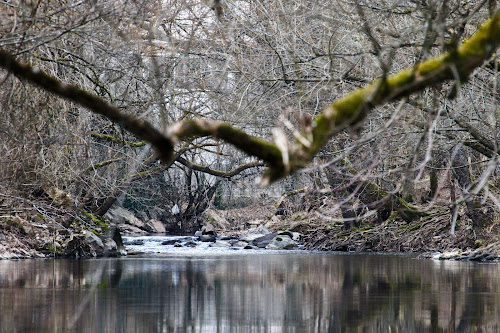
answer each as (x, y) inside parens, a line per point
(29, 234)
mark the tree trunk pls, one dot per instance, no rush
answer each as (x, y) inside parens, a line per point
(372, 196)
(461, 172)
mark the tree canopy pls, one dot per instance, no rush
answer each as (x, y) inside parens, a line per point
(375, 96)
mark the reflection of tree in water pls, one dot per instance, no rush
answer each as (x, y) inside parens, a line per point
(369, 299)
(286, 293)
(347, 297)
(476, 304)
(395, 299)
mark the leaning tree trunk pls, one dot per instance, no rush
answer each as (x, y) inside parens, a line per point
(372, 196)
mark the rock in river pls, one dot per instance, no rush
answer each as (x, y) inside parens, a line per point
(221, 244)
(281, 242)
(263, 241)
(208, 238)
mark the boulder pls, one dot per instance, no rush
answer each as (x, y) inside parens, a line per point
(208, 233)
(221, 244)
(239, 244)
(263, 230)
(78, 247)
(110, 247)
(155, 226)
(170, 242)
(125, 219)
(230, 238)
(91, 245)
(281, 242)
(263, 241)
(207, 238)
(95, 242)
(208, 229)
(255, 233)
(293, 235)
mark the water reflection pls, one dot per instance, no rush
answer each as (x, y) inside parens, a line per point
(257, 292)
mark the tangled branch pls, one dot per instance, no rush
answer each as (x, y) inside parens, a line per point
(348, 111)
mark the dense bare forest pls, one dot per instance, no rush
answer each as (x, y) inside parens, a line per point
(356, 116)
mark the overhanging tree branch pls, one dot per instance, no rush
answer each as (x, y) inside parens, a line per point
(281, 159)
(140, 128)
(352, 109)
(218, 173)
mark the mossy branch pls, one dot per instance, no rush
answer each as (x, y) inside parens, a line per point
(115, 139)
(352, 109)
(282, 160)
(252, 145)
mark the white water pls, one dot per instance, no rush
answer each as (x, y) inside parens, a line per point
(153, 245)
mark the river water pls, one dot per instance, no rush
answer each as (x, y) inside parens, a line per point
(220, 290)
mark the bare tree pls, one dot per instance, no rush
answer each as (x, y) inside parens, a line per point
(184, 75)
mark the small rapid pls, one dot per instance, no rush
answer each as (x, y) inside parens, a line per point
(161, 244)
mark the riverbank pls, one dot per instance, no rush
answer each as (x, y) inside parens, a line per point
(38, 231)
(428, 236)
(42, 225)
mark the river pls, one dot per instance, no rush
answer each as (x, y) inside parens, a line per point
(220, 290)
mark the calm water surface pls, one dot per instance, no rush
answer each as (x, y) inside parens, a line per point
(237, 291)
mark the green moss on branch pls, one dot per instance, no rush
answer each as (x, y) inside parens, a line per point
(351, 109)
(347, 111)
(252, 145)
(115, 139)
